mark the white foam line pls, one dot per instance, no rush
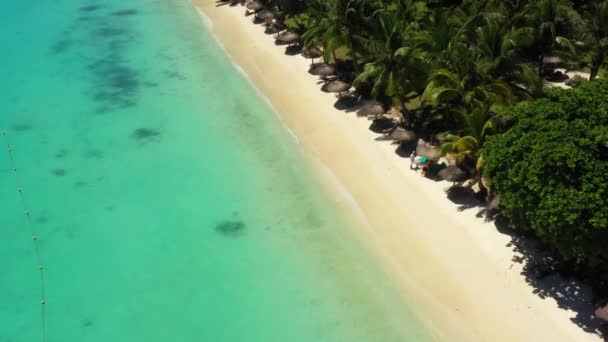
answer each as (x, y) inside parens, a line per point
(205, 17)
(343, 192)
(334, 180)
(209, 23)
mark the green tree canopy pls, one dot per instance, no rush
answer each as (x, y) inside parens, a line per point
(551, 171)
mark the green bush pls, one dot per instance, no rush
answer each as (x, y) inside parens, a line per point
(551, 171)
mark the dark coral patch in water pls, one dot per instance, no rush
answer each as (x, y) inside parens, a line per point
(174, 75)
(110, 32)
(61, 46)
(80, 184)
(124, 13)
(59, 172)
(62, 153)
(145, 133)
(22, 127)
(87, 322)
(115, 84)
(41, 220)
(230, 228)
(90, 8)
(95, 154)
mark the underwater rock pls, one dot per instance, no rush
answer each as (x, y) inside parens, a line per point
(23, 127)
(230, 228)
(89, 8)
(124, 13)
(59, 172)
(143, 133)
(80, 184)
(62, 153)
(95, 154)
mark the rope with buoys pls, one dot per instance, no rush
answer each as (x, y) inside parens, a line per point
(32, 231)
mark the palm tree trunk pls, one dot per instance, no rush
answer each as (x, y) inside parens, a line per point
(353, 53)
(595, 69)
(596, 64)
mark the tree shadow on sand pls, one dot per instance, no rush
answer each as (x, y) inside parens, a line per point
(546, 275)
(549, 278)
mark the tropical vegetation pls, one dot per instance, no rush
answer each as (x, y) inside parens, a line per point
(470, 75)
(551, 171)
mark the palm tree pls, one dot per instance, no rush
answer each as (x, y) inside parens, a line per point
(484, 64)
(331, 25)
(596, 35)
(467, 148)
(394, 70)
(551, 20)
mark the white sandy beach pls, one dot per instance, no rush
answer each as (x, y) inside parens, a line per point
(455, 268)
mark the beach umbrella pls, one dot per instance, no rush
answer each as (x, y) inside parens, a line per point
(312, 53)
(254, 6)
(429, 151)
(382, 125)
(371, 108)
(454, 174)
(271, 29)
(602, 313)
(266, 15)
(401, 134)
(335, 87)
(347, 102)
(275, 27)
(322, 69)
(288, 37)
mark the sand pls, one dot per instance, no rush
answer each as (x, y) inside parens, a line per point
(455, 269)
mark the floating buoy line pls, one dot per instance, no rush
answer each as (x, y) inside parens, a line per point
(32, 231)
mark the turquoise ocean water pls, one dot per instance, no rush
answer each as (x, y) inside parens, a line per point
(170, 202)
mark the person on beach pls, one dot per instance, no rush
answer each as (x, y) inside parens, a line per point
(413, 165)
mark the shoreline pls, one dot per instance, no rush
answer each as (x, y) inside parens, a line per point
(456, 269)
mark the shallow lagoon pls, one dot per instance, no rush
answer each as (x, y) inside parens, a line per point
(170, 202)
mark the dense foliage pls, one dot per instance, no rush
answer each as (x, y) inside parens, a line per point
(551, 170)
(449, 65)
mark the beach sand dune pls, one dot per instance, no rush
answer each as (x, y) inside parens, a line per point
(457, 270)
